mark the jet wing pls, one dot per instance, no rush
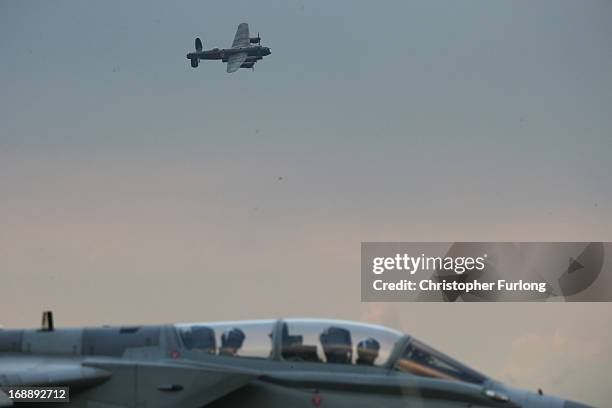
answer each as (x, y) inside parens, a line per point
(235, 61)
(200, 384)
(111, 382)
(241, 39)
(45, 371)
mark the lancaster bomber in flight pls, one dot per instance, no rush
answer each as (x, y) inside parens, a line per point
(301, 363)
(241, 55)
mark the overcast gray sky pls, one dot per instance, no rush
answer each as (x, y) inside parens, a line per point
(136, 189)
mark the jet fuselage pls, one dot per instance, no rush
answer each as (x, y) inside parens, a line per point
(265, 363)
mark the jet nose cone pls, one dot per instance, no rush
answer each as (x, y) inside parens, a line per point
(573, 404)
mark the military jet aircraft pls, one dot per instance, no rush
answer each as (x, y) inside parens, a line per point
(241, 55)
(258, 363)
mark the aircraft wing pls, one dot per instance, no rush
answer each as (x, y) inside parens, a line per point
(199, 384)
(34, 371)
(112, 381)
(241, 39)
(235, 61)
(46, 371)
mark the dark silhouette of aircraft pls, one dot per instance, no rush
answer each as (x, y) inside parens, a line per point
(241, 55)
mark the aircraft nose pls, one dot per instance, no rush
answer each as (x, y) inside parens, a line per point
(574, 404)
(539, 400)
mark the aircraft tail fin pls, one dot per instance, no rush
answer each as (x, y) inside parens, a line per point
(193, 56)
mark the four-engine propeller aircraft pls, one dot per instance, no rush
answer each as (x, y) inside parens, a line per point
(262, 363)
(241, 55)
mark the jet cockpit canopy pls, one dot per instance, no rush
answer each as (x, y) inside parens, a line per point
(324, 341)
(305, 340)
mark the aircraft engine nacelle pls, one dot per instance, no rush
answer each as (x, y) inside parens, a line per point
(255, 40)
(247, 65)
(252, 59)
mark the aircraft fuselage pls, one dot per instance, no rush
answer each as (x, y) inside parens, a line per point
(224, 53)
(265, 363)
